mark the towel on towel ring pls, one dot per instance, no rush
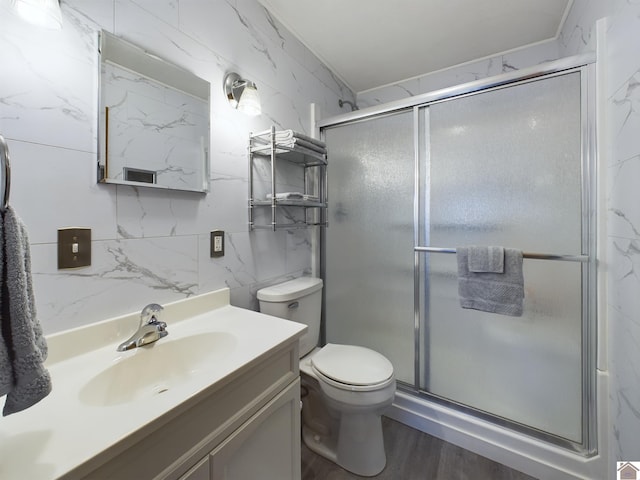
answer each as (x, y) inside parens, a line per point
(23, 347)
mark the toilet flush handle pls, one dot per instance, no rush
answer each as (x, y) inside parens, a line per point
(293, 305)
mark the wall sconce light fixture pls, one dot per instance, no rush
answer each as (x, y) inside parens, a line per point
(242, 94)
(43, 13)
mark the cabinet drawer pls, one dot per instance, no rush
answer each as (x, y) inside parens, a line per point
(266, 447)
(199, 472)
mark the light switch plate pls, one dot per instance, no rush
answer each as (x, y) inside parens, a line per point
(74, 247)
(217, 243)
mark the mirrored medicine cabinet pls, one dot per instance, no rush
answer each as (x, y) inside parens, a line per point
(153, 122)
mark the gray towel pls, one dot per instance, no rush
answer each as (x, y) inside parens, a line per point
(21, 331)
(6, 371)
(486, 259)
(501, 293)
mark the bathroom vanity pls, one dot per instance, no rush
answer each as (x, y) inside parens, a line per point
(217, 398)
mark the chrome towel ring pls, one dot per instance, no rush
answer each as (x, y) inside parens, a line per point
(5, 168)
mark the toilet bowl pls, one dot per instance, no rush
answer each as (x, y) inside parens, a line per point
(342, 420)
(345, 388)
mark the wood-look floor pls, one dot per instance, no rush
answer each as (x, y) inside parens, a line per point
(414, 455)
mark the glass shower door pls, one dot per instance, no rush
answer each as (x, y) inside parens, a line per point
(504, 168)
(369, 259)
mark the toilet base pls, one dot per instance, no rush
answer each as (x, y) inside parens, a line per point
(358, 447)
(323, 445)
(351, 440)
(360, 444)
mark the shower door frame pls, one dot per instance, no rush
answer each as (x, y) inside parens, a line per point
(585, 65)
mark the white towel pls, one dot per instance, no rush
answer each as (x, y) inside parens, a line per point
(297, 137)
(301, 144)
(305, 150)
(287, 196)
(287, 140)
(21, 331)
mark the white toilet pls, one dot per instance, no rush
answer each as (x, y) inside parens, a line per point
(345, 388)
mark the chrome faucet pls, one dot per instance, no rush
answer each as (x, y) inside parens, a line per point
(151, 329)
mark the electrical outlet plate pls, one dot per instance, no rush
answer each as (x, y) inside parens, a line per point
(217, 243)
(74, 247)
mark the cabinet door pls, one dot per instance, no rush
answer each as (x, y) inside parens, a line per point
(199, 472)
(267, 446)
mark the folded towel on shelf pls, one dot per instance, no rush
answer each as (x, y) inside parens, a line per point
(295, 197)
(298, 143)
(305, 150)
(486, 259)
(297, 137)
(287, 140)
(501, 293)
(287, 196)
(21, 332)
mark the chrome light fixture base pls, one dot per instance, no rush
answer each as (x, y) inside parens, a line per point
(233, 87)
(242, 94)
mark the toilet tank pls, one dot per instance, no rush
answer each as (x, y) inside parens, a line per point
(298, 300)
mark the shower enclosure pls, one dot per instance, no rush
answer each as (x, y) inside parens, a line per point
(504, 162)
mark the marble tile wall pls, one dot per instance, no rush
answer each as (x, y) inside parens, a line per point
(149, 245)
(578, 32)
(623, 225)
(621, 166)
(487, 67)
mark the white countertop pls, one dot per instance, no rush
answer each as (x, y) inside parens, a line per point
(65, 430)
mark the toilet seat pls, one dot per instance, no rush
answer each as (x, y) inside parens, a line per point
(353, 368)
(352, 388)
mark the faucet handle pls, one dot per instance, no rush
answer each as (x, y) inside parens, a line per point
(151, 313)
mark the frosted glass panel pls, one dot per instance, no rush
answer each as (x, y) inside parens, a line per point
(505, 169)
(369, 242)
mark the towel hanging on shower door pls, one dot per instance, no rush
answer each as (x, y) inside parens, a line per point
(501, 293)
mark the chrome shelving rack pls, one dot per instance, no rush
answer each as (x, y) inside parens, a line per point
(263, 145)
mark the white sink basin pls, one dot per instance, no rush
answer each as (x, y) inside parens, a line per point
(156, 368)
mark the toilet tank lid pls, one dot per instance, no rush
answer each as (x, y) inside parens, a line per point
(296, 288)
(352, 365)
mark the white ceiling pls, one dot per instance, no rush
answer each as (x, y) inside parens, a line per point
(371, 43)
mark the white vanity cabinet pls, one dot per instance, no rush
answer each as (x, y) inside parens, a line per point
(265, 447)
(244, 427)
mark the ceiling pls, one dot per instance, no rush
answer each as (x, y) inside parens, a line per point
(371, 43)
